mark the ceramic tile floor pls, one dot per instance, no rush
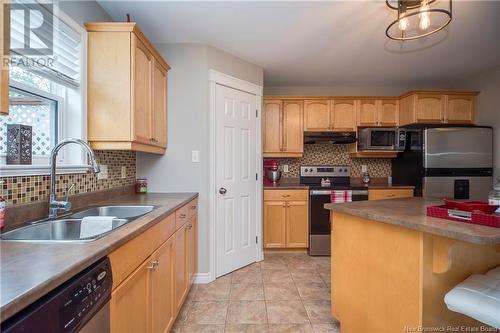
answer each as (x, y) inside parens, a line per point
(284, 293)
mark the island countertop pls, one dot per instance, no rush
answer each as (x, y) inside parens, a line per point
(30, 270)
(411, 213)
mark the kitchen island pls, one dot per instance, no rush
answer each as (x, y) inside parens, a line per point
(392, 266)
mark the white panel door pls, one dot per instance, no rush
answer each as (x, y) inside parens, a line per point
(235, 165)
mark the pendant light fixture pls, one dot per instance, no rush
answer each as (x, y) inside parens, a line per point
(417, 18)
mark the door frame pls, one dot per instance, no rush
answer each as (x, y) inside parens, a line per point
(215, 78)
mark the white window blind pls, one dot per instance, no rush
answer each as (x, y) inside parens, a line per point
(63, 63)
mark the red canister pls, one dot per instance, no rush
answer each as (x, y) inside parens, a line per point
(141, 186)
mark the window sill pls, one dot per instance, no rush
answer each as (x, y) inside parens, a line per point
(37, 170)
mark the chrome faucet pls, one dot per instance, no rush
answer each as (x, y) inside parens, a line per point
(54, 205)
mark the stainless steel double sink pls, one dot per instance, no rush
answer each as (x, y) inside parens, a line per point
(69, 228)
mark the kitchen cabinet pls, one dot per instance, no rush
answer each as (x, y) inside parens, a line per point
(317, 115)
(162, 287)
(343, 115)
(286, 219)
(4, 45)
(153, 273)
(459, 109)
(132, 297)
(378, 112)
(390, 193)
(283, 128)
(181, 266)
(437, 108)
(127, 89)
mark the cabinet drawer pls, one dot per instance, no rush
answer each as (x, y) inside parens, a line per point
(128, 257)
(380, 194)
(270, 195)
(181, 216)
(192, 208)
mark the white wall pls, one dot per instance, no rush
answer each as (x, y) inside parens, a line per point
(488, 111)
(188, 127)
(84, 11)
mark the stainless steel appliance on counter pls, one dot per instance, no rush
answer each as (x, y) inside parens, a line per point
(78, 305)
(337, 180)
(447, 162)
(377, 138)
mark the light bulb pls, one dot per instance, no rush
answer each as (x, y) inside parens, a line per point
(425, 20)
(403, 23)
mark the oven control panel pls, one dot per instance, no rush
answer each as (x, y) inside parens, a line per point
(325, 171)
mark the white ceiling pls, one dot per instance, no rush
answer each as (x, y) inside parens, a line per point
(325, 43)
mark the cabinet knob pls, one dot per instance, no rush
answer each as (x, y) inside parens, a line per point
(190, 226)
(153, 265)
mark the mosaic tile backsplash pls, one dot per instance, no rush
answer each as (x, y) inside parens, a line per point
(19, 190)
(328, 154)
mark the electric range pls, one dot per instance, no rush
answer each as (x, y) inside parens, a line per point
(336, 180)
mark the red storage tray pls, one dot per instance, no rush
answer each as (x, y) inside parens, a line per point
(462, 212)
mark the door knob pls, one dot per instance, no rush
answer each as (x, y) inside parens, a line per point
(222, 190)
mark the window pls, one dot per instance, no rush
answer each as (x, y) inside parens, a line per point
(47, 91)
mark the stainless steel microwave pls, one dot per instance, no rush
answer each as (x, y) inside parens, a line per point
(377, 138)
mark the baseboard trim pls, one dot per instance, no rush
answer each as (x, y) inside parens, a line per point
(203, 278)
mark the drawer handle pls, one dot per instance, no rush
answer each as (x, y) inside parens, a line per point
(182, 216)
(391, 195)
(285, 195)
(190, 226)
(154, 265)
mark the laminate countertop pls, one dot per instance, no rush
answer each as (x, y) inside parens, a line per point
(28, 270)
(411, 213)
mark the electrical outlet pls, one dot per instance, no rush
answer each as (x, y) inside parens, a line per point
(124, 172)
(364, 168)
(285, 168)
(104, 172)
(195, 156)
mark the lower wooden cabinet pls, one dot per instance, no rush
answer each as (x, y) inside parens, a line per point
(286, 219)
(148, 298)
(392, 193)
(162, 286)
(129, 310)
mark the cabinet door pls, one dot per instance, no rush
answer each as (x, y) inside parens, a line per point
(4, 45)
(317, 115)
(460, 109)
(407, 110)
(388, 113)
(293, 129)
(192, 249)
(130, 307)
(272, 122)
(181, 266)
(160, 105)
(343, 115)
(274, 224)
(297, 226)
(142, 67)
(162, 287)
(368, 112)
(430, 108)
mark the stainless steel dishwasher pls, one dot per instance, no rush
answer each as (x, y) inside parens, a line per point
(81, 304)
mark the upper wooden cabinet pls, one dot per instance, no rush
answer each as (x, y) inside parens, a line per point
(317, 115)
(127, 89)
(283, 128)
(4, 45)
(329, 115)
(437, 108)
(343, 115)
(378, 112)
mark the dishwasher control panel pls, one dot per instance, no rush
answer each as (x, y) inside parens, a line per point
(70, 306)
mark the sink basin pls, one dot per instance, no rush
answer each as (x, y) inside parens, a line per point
(121, 212)
(65, 230)
(68, 229)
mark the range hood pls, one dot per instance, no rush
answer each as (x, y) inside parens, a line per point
(329, 137)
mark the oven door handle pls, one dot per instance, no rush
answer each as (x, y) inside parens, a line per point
(320, 192)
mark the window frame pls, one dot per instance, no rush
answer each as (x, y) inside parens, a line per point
(72, 118)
